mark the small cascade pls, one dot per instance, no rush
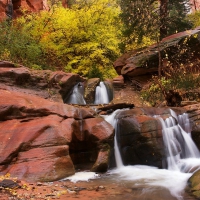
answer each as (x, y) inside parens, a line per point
(77, 95)
(183, 157)
(113, 121)
(178, 142)
(101, 95)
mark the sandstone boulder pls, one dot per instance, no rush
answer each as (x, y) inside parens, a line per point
(177, 49)
(90, 89)
(194, 116)
(194, 184)
(139, 136)
(102, 161)
(118, 81)
(41, 139)
(139, 133)
(44, 83)
(110, 89)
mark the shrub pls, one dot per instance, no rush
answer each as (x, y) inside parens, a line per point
(18, 46)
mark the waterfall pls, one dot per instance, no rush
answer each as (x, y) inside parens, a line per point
(101, 95)
(178, 142)
(113, 121)
(181, 152)
(77, 95)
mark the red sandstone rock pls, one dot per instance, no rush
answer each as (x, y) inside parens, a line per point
(102, 161)
(66, 81)
(36, 148)
(29, 5)
(18, 75)
(44, 83)
(121, 61)
(146, 61)
(118, 80)
(31, 133)
(98, 128)
(2, 9)
(36, 135)
(42, 164)
(140, 136)
(18, 105)
(6, 64)
(90, 89)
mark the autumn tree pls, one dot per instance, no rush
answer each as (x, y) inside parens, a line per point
(153, 19)
(82, 39)
(139, 18)
(177, 20)
(194, 18)
(18, 46)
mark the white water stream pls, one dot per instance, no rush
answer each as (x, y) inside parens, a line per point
(101, 96)
(183, 157)
(77, 95)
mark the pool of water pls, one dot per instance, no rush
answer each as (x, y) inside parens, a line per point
(152, 184)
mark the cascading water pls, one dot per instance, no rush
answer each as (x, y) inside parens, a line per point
(178, 142)
(77, 95)
(182, 156)
(113, 121)
(101, 95)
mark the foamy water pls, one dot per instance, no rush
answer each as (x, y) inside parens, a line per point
(183, 161)
(182, 157)
(101, 94)
(82, 176)
(174, 181)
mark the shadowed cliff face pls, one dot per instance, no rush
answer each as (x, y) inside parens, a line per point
(2, 9)
(29, 5)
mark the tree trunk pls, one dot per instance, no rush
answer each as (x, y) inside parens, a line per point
(163, 18)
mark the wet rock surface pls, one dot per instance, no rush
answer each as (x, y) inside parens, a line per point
(194, 184)
(139, 136)
(194, 112)
(90, 88)
(42, 139)
(36, 136)
(54, 86)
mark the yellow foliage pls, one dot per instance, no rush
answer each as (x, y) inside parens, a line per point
(146, 41)
(78, 38)
(195, 18)
(7, 175)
